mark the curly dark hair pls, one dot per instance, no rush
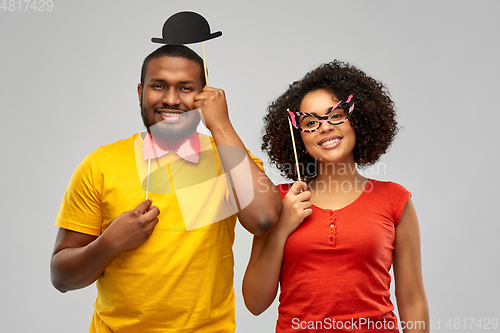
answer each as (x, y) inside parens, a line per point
(373, 119)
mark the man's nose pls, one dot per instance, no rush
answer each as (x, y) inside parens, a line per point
(171, 97)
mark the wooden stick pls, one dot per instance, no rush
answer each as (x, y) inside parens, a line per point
(204, 62)
(147, 185)
(294, 149)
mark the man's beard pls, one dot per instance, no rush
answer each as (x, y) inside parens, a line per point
(172, 131)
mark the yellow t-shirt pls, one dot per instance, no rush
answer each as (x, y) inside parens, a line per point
(181, 278)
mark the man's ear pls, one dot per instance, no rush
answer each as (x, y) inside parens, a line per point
(139, 92)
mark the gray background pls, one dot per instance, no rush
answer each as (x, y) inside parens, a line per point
(68, 85)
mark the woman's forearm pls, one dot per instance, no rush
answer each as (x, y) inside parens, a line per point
(261, 281)
(414, 317)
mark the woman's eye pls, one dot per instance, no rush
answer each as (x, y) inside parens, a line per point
(338, 115)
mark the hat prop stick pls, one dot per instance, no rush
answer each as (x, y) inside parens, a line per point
(187, 28)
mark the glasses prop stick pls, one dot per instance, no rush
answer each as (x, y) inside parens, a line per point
(187, 28)
(294, 149)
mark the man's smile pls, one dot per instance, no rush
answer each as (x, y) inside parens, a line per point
(171, 115)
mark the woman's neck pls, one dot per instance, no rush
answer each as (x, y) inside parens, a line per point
(341, 177)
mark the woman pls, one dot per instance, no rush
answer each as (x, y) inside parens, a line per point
(339, 234)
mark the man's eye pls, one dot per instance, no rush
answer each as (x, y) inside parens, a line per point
(186, 88)
(157, 86)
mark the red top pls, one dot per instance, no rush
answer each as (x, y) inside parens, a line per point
(335, 272)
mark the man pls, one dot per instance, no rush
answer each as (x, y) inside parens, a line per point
(155, 270)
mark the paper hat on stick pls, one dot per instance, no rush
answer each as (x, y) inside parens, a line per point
(186, 28)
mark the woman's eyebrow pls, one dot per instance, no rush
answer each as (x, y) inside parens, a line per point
(328, 110)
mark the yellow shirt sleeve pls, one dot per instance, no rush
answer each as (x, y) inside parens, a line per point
(81, 205)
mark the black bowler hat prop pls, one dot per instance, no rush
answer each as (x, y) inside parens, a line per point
(186, 28)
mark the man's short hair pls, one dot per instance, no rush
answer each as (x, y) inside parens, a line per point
(180, 51)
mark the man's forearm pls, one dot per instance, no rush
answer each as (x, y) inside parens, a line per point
(259, 202)
(79, 259)
(75, 268)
